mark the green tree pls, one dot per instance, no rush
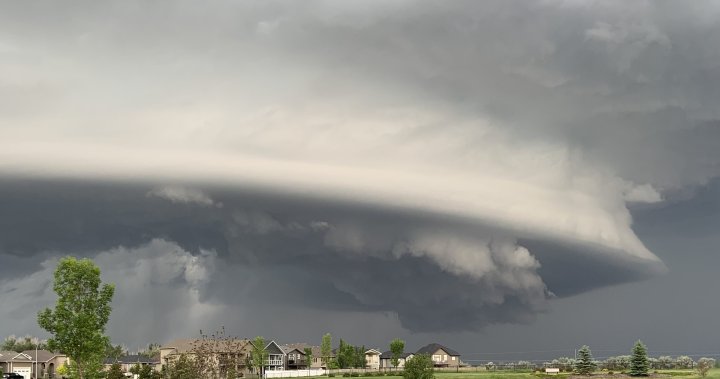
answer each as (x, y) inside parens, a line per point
(326, 349)
(359, 361)
(115, 372)
(114, 351)
(639, 364)
(585, 364)
(419, 367)
(258, 354)
(16, 344)
(308, 356)
(397, 348)
(145, 372)
(77, 323)
(182, 368)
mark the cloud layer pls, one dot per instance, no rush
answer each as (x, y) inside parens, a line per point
(482, 154)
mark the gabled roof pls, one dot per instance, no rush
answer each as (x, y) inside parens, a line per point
(372, 351)
(388, 355)
(433, 347)
(273, 347)
(42, 355)
(21, 357)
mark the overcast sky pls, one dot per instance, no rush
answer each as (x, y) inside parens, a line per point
(511, 179)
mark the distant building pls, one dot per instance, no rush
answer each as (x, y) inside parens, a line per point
(441, 355)
(128, 361)
(26, 363)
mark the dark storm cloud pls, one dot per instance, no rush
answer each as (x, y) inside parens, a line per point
(480, 153)
(349, 257)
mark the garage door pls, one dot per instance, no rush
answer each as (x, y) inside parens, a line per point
(25, 372)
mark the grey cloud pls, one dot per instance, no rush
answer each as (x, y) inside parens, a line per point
(484, 153)
(359, 259)
(179, 194)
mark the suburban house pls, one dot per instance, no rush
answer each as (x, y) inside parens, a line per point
(372, 359)
(296, 359)
(276, 357)
(386, 360)
(128, 361)
(45, 362)
(441, 355)
(237, 349)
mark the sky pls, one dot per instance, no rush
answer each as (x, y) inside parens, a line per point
(511, 179)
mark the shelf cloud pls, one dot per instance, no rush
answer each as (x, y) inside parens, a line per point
(453, 164)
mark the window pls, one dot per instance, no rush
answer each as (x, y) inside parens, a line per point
(437, 358)
(444, 357)
(453, 358)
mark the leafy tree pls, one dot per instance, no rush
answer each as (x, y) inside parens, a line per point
(360, 361)
(153, 350)
(665, 362)
(639, 365)
(115, 372)
(135, 369)
(684, 361)
(231, 372)
(308, 356)
(326, 349)
(114, 351)
(704, 365)
(78, 321)
(419, 367)
(145, 372)
(258, 355)
(182, 368)
(216, 353)
(16, 344)
(397, 347)
(345, 355)
(585, 364)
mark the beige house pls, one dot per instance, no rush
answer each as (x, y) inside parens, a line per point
(237, 349)
(386, 360)
(372, 359)
(441, 355)
(32, 363)
(127, 362)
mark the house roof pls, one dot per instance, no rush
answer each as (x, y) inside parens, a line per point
(388, 355)
(42, 355)
(6, 356)
(28, 356)
(130, 359)
(433, 347)
(186, 345)
(372, 351)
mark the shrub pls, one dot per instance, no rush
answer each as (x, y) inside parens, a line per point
(354, 375)
(611, 373)
(346, 375)
(331, 375)
(704, 365)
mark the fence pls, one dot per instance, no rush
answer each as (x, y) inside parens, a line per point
(294, 373)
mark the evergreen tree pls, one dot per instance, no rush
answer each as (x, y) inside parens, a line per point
(585, 364)
(639, 364)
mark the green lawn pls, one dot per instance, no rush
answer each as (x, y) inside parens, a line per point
(680, 374)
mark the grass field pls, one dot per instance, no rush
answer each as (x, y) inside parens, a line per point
(681, 374)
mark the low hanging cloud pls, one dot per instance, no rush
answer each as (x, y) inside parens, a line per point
(184, 195)
(480, 154)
